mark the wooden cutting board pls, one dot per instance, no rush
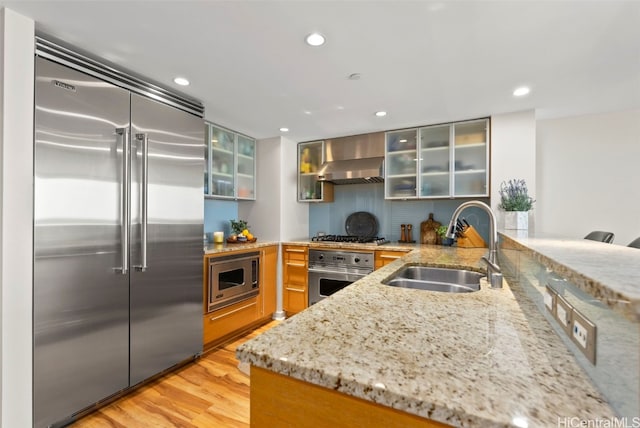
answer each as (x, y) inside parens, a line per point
(428, 233)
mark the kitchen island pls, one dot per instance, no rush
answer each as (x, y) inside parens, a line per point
(471, 359)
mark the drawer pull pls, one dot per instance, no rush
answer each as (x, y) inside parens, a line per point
(383, 256)
(294, 250)
(296, 264)
(233, 311)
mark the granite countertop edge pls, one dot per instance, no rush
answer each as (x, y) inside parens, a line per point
(606, 272)
(302, 348)
(212, 248)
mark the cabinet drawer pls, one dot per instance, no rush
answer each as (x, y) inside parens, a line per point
(294, 299)
(295, 274)
(227, 320)
(383, 258)
(294, 253)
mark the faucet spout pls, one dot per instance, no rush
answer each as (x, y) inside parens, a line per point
(494, 274)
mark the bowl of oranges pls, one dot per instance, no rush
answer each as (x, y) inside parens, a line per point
(241, 233)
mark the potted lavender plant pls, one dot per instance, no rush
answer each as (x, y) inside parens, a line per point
(516, 202)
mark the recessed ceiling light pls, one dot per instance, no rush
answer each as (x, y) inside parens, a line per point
(284, 129)
(315, 39)
(181, 81)
(381, 113)
(521, 91)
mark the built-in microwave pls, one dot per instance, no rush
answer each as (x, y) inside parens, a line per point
(232, 279)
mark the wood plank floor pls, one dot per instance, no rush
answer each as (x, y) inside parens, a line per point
(211, 392)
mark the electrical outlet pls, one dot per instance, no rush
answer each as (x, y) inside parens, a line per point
(564, 312)
(549, 295)
(583, 334)
(580, 333)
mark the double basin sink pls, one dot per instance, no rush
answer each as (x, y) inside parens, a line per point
(436, 279)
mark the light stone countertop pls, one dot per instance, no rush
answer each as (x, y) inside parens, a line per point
(609, 273)
(482, 359)
(390, 246)
(212, 248)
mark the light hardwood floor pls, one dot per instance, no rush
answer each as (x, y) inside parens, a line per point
(211, 392)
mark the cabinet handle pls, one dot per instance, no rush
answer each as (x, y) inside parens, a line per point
(233, 311)
(382, 256)
(296, 264)
(294, 250)
(294, 289)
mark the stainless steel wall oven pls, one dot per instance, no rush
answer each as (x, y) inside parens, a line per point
(232, 279)
(332, 270)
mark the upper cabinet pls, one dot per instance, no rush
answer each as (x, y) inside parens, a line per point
(310, 158)
(401, 164)
(471, 158)
(440, 161)
(230, 164)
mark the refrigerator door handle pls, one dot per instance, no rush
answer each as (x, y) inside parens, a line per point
(144, 140)
(125, 196)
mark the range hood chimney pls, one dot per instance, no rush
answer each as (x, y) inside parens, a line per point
(355, 159)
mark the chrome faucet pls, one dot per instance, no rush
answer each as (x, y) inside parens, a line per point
(494, 274)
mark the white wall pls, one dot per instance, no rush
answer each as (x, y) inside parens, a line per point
(16, 216)
(263, 215)
(294, 220)
(276, 215)
(589, 175)
(513, 155)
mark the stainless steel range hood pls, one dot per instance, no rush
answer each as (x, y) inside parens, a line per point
(355, 159)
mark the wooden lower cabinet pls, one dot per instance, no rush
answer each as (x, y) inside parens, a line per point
(223, 323)
(282, 401)
(295, 293)
(268, 279)
(384, 257)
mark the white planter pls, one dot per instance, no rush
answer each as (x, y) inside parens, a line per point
(516, 220)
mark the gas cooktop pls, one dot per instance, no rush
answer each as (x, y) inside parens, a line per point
(376, 240)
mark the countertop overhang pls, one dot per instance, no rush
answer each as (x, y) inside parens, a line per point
(487, 358)
(609, 273)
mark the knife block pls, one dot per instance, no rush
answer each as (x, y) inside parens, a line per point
(471, 239)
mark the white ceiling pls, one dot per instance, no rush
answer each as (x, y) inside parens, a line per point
(424, 62)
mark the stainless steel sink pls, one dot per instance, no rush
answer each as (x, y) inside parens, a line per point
(436, 279)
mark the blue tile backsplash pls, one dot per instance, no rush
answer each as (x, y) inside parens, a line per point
(217, 214)
(330, 217)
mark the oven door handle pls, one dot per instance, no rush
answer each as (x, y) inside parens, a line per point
(334, 272)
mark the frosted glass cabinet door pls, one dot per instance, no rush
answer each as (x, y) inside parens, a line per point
(471, 172)
(401, 164)
(435, 160)
(246, 177)
(230, 167)
(207, 156)
(310, 158)
(222, 162)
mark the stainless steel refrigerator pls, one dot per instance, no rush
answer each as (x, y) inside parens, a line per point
(118, 227)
